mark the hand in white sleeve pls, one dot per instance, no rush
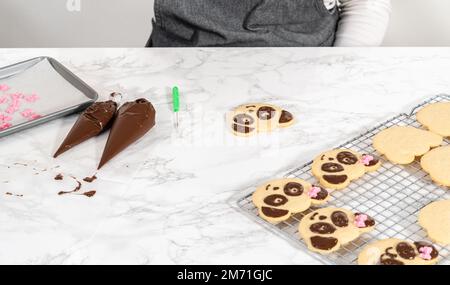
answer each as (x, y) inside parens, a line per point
(362, 22)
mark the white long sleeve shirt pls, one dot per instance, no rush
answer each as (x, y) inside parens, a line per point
(362, 22)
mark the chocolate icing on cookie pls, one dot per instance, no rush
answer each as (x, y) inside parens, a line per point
(420, 244)
(405, 251)
(274, 213)
(286, 117)
(265, 113)
(331, 167)
(293, 189)
(346, 157)
(322, 228)
(335, 179)
(339, 218)
(275, 200)
(323, 243)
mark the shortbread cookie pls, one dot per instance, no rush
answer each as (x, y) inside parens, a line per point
(398, 252)
(436, 118)
(335, 169)
(437, 164)
(277, 200)
(435, 219)
(326, 230)
(402, 144)
(249, 119)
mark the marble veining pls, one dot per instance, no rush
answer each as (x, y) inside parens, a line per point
(164, 200)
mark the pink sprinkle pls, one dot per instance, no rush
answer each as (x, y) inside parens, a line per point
(5, 118)
(5, 126)
(360, 220)
(3, 100)
(31, 98)
(16, 96)
(314, 191)
(4, 87)
(35, 117)
(27, 113)
(11, 109)
(366, 159)
(425, 252)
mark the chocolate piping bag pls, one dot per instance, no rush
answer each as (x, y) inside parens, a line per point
(92, 122)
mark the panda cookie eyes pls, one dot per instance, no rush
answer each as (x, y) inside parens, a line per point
(335, 169)
(247, 120)
(278, 200)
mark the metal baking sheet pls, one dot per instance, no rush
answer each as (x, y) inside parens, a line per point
(38, 90)
(393, 195)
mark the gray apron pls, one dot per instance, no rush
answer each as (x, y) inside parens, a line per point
(242, 23)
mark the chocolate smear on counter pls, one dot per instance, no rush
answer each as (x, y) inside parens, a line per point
(59, 177)
(72, 191)
(90, 193)
(12, 194)
(91, 123)
(21, 164)
(90, 179)
(133, 121)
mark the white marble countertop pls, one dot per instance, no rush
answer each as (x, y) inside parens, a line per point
(164, 200)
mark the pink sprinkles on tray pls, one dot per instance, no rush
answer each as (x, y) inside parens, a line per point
(13, 103)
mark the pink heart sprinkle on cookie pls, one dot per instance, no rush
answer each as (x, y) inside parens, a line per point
(314, 191)
(366, 159)
(360, 221)
(425, 252)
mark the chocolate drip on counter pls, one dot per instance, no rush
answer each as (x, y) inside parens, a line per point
(90, 193)
(76, 189)
(133, 121)
(90, 179)
(91, 122)
(59, 177)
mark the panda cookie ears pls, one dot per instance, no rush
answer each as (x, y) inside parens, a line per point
(249, 119)
(278, 200)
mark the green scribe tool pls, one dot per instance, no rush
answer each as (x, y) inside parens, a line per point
(176, 103)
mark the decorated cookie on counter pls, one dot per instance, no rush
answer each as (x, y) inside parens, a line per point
(277, 200)
(437, 163)
(402, 144)
(250, 119)
(398, 252)
(335, 169)
(326, 230)
(436, 118)
(435, 219)
(93, 121)
(134, 119)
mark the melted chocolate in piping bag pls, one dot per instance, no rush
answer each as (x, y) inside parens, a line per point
(134, 119)
(91, 123)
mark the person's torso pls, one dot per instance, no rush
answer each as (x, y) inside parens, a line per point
(190, 23)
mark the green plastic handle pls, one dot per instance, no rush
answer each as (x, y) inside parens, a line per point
(176, 99)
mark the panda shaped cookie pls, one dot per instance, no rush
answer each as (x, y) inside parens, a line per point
(398, 252)
(250, 119)
(326, 230)
(335, 169)
(278, 199)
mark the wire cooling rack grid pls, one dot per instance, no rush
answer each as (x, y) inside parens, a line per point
(393, 195)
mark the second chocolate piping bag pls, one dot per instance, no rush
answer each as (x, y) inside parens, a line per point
(91, 123)
(134, 119)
